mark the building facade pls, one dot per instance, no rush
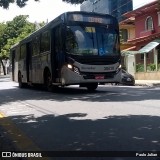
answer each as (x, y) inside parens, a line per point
(114, 7)
(144, 44)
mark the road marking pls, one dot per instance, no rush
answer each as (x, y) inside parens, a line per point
(17, 136)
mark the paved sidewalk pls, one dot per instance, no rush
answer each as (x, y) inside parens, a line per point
(147, 82)
(5, 76)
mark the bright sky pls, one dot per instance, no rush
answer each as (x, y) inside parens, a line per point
(47, 9)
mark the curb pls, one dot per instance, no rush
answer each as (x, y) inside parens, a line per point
(148, 84)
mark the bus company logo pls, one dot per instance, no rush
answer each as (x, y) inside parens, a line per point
(6, 154)
(108, 68)
(88, 68)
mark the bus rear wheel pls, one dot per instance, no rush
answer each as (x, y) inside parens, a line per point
(92, 86)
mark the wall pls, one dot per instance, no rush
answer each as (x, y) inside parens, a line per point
(131, 33)
(140, 23)
(147, 76)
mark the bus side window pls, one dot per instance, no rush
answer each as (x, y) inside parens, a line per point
(70, 40)
(36, 45)
(17, 55)
(23, 51)
(59, 53)
(58, 40)
(45, 42)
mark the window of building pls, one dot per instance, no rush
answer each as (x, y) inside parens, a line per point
(149, 23)
(158, 18)
(45, 41)
(124, 35)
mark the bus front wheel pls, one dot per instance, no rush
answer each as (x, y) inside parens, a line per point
(92, 86)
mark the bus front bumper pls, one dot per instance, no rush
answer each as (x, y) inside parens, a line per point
(69, 77)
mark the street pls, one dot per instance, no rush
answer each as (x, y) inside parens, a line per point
(113, 118)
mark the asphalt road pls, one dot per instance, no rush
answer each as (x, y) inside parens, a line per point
(113, 118)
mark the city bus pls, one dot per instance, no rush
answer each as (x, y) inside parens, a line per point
(76, 48)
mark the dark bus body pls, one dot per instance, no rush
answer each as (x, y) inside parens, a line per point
(75, 48)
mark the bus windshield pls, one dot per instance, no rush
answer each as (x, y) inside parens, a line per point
(92, 40)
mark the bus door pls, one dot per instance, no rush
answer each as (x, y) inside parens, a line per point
(13, 64)
(28, 61)
(57, 55)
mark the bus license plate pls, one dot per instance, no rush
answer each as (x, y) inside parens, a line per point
(99, 77)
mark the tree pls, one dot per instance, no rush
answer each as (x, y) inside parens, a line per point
(21, 3)
(74, 1)
(2, 28)
(11, 33)
(5, 3)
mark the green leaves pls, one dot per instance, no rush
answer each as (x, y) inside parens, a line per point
(21, 3)
(12, 32)
(5, 3)
(74, 1)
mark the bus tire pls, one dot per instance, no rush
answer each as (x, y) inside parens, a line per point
(47, 80)
(92, 86)
(20, 84)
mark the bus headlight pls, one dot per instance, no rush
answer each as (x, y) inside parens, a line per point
(118, 68)
(73, 68)
(70, 66)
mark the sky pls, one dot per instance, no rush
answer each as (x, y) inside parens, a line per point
(46, 10)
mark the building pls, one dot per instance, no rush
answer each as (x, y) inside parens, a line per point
(114, 7)
(142, 27)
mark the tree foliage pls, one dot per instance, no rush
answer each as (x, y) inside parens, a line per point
(21, 3)
(6, 3)
(12, 32)
(74, 1)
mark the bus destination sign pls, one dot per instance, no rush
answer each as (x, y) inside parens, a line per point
(88, 18)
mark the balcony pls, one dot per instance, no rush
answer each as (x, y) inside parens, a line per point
(147, 33)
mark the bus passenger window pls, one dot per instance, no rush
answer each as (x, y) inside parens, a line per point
(45, 42)
(80, 38)
(70, 40)
(23, 51)
(59, 53)
(36, 45)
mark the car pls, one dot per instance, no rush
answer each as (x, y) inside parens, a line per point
(126, 79)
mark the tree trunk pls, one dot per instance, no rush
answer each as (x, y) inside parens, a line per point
(4, 68)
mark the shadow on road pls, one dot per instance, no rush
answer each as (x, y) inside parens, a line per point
(102, 94)
(117, 133)
(66, 133)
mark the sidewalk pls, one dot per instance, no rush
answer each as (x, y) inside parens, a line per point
(150, 83)
(5, 76)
